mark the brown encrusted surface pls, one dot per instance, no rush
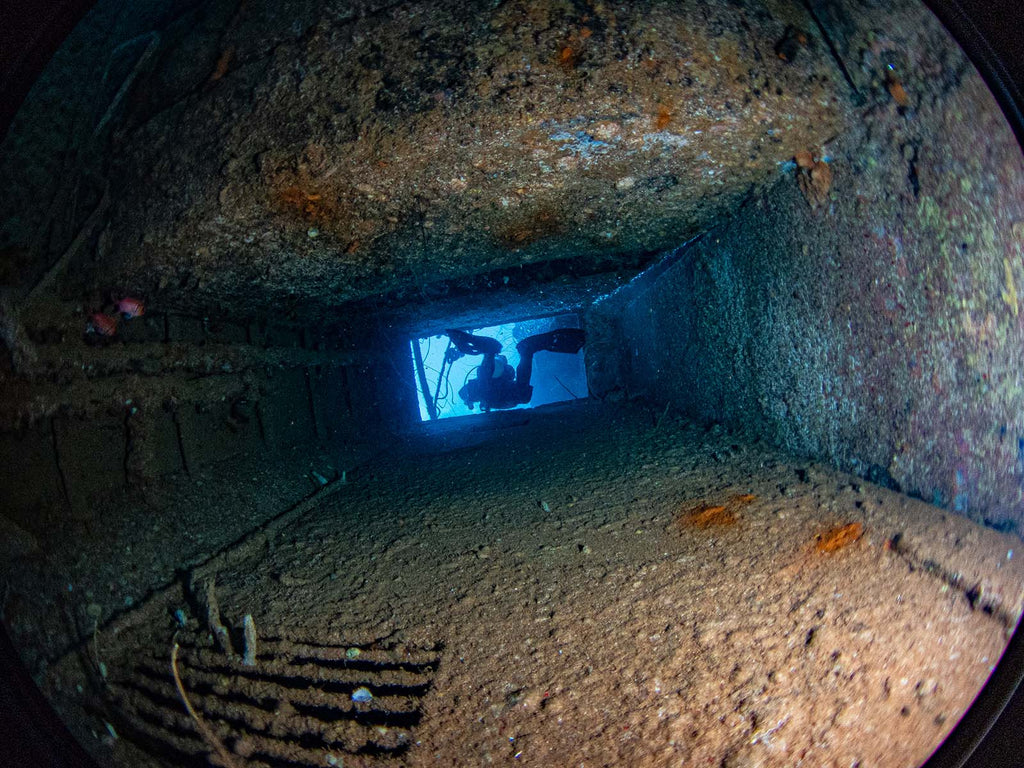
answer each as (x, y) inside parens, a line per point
(432, 140)
(576, 623)
(874, 321)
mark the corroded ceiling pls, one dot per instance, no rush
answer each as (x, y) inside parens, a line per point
(269, 154)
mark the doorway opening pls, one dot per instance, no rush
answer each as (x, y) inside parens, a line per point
(448, 378)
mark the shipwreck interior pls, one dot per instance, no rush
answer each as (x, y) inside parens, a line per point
(747, 270)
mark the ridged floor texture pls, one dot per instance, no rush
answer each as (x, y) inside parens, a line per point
(599, 586)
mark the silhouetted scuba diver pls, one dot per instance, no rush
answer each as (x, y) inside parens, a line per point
(496, 385)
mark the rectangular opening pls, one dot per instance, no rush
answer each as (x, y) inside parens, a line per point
(448, 381)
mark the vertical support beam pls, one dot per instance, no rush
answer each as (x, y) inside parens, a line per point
(422, 375)
(440, 376)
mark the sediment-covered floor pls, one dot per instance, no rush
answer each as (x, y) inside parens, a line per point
(602, 586)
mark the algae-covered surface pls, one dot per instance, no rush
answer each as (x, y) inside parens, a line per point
(598, 586)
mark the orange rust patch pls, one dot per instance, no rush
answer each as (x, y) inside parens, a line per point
(568, 57)
(221, 67)
(838, 538)
(663, 118)
(898, 93)
(705, 515)
(295, 199)
(814, 178)
(307, 205)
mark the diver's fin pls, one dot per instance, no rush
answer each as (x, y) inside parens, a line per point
(468, 344)
(567, 340)
(462, 341)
